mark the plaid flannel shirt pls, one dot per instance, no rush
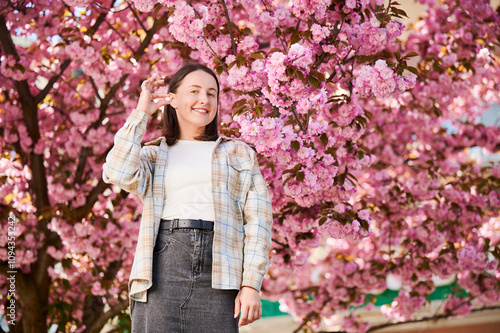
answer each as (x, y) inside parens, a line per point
(242, 206)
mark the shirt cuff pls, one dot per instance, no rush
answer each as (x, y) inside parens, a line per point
(137, 116)
(252, 280)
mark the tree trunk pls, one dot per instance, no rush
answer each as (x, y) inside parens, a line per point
(35, 308)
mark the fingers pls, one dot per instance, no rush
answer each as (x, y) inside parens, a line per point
(237, 305)
(250, 313)
(164, 99)
(152, 82)
(165, 96)
(244, 315)
(248, 300)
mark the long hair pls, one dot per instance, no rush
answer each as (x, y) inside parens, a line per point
(171, 130)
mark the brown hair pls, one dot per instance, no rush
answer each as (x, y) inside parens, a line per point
(171, 130)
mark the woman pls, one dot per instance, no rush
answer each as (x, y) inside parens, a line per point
(205, 232)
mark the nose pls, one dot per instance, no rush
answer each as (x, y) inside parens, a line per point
(203, 98)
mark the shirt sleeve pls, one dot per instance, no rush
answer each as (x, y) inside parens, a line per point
(127, 165)
(258, 221)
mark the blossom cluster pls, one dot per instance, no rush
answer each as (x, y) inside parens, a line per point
(381, 81)
(368, 164)
(403, 306)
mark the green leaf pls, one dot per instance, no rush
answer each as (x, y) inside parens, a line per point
(66, 262)
(66, 284)
(256, 55)
(258, 110)
(398, 12)
(413, 70)
(286, 181)
(290, 71)
(220, 69)
(300, 176)
(341, 178)
(300, 75)
(364, 224)
(238, 103)
(275, 49)
(324, 139)
(317, 74)
(286, 257)
(295, 145)
(411, 54)
(231, 64)
(486, 245)
(322, 221)
(241, 61)
(240, 110)
(295, 38)
(313, 81)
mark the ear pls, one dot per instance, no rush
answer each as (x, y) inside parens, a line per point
(173, 100)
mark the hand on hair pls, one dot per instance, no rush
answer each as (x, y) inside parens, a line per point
(146, 100)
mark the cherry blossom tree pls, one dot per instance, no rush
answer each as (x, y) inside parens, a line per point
(362, 138)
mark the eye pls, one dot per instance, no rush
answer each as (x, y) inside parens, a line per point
(211, 95)
(194, 91)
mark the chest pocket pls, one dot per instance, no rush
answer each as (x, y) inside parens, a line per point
(239, 176)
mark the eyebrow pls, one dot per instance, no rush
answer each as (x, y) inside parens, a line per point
(197, 86)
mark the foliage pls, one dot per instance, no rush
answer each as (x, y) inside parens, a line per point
(348, 121)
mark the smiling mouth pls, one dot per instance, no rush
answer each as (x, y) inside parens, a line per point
(200, 111)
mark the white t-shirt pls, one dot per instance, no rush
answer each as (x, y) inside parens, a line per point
(188, 181)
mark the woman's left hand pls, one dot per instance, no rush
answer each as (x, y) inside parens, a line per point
(248, 301)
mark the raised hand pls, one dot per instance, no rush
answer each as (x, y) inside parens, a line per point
(146, 100)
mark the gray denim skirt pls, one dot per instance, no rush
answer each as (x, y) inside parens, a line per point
(181, 298)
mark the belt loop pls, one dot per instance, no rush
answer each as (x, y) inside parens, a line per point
(172, 225)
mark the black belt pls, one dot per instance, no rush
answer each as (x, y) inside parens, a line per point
(186, 223)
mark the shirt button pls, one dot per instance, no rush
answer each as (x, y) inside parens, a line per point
(216, 249)
(218, 215)
(215, 155)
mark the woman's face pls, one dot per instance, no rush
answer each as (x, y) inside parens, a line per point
(195, 102)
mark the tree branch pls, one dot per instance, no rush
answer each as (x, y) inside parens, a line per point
(433, 318)
(96, 90)
(430, 318)
(91, 199)
(111, 313)
(279, 243)
(309, 316)
(137, 18)
(222, 63)
(230, 27)
(302, 128)
(85, 152)
(119, 36)
(40, 97)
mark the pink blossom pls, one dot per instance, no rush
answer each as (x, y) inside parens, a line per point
(403, 307)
